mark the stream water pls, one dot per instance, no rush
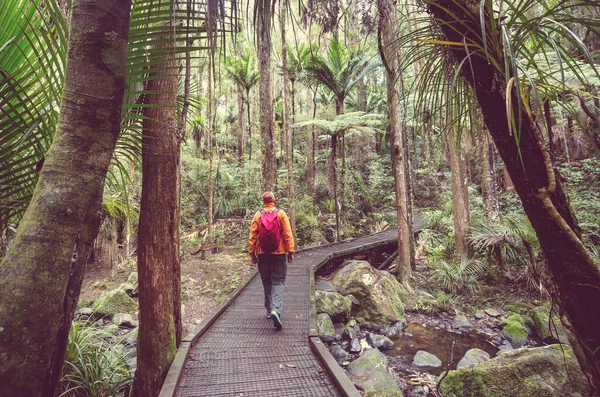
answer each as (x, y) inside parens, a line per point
(447, 346)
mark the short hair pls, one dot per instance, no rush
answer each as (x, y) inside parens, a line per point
(268, 197)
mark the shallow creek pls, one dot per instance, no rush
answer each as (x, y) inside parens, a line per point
(446, 345)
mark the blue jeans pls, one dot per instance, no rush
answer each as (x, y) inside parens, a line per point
(273, 269)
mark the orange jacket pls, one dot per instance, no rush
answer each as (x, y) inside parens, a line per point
(287, 238)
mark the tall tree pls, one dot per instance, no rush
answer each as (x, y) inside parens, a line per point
(283, 6)
(340, 70)
(241, 70)
(389, 52)
(158, 232)
(487, 163)
(575, 275)
(310, 150)
(209, 141)
(40, 278)
(460, 194)
(269, 168)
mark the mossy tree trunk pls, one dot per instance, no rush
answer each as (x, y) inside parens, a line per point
(158, 232)
(286, 97)
(389, 52)
(40, 278)
(269, 169)
(575, 275)
(460, 194)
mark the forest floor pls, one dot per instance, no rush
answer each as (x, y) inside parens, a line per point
(205, 283)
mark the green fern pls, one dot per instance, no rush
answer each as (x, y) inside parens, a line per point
(460, 277)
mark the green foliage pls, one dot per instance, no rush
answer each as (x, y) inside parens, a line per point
(435, 302)
(512, 241)
(461, 276)
(340, 70)
(94, 367)
(242, 70)
(583, 184)
(307, 224)
(33, 48)
(437, 236)
(33, 43)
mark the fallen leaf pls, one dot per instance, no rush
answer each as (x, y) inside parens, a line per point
(291, 365)
(320, 369)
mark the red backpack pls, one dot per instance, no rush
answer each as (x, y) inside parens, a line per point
(269, 233)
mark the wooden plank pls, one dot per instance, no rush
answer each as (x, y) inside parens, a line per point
(344, 384)
(175, 371)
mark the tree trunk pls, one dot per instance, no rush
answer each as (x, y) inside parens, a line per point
(334, 183)
(390, 55)
(41, 276)
(460, 196)
(310, 150)
(242, 126)
(293, 95)
(209, 143)
(269, 170)
(487, 164)
(158, 232)
(575, 276)
(283, 5)
(339, 109)
(249, 125)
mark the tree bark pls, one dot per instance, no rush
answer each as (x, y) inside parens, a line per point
(575, 275)
(339, 109)
(310, 150)
(269, 169)
(41, 276)
(283, 5)
(460, 196)
(487, 165)
(241, 127)
(390, 56)
(158, 232)
(334, 183)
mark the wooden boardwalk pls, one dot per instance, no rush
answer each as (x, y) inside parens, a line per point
(238, 352)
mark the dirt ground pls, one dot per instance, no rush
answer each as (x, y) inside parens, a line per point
(205, 284)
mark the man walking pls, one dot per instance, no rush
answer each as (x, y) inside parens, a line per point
(270, 239)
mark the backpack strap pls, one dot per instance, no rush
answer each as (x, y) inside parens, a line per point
(276, 210)
(262, 212)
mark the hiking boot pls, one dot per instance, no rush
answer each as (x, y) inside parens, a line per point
(276, 320)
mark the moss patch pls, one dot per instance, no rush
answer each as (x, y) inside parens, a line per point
(515, 330)
(115, 301)
(369, 373)
(538, 372)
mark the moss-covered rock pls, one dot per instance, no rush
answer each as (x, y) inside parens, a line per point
(325, 328)
(333, 303)
(115, 301)
(473, 356)
(529, 372)
(378, 294)
(548, 332)
(515, 330)
(133, 278)
(369, 373)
